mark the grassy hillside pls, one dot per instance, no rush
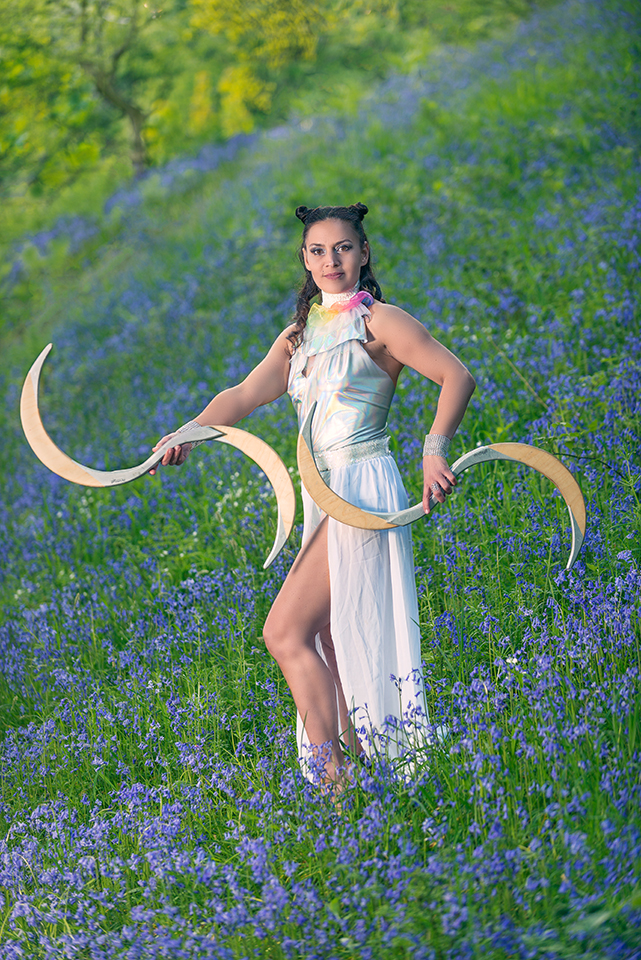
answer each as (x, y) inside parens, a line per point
(151, 800)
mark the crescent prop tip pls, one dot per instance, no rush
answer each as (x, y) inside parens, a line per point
(62, 465)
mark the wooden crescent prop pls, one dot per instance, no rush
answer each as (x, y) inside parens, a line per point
(255, 448)
(334, 506)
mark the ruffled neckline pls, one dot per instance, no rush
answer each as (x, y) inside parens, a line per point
(329, 299)
(332, 304)
(329, 326)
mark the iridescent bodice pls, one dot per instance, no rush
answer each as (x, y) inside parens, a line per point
(332, 367)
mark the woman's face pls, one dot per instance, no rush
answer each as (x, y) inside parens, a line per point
(334, 255)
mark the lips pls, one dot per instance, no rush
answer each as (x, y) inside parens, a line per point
(333, 276)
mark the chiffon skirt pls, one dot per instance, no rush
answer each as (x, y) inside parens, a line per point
(374, 613)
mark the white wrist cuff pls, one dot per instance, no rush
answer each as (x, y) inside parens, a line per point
(436, 445)
(186, 426)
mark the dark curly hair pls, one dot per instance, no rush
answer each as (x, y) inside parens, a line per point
(354, 216)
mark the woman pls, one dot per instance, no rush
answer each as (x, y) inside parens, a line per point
(344, 627)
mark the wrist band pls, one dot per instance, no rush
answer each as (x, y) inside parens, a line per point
(436, 445)
(186, 426)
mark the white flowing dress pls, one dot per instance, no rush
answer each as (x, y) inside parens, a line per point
(374, 608)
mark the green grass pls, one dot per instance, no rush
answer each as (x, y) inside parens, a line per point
(501, 215)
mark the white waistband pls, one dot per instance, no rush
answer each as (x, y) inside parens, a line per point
(354, 453)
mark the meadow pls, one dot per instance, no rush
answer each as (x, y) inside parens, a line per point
(151, 802)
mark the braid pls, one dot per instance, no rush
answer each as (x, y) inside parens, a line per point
(370, 283)
(352, 215)
(303, 305)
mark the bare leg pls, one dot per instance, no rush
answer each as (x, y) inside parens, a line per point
(348, 733)
(299, 612)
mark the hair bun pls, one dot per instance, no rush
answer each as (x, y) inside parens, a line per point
(302, 213)
(360, 209)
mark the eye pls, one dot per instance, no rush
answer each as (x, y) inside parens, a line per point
(316, 251)
(345, 246)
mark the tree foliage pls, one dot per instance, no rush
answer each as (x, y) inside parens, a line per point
(71, 71)
(263, 36)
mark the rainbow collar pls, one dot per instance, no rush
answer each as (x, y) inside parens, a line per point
(319, 315)
(341, 305)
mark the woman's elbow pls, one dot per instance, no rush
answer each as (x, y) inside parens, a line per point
(471, 383)
(468, 383)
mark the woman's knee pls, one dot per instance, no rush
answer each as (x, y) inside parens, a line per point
(275, 636)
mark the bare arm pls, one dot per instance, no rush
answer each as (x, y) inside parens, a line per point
(409, 344)
(265, 383)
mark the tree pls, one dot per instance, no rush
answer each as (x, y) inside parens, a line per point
(50, 46)
(107, 30)
(262, 37)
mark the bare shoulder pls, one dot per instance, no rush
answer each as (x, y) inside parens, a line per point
(285, 339)
(283, 342)
(381, 309)
(409, 342)
(389, 321)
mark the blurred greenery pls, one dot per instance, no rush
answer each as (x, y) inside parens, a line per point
(93, 92)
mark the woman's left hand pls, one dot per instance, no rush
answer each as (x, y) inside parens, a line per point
(438, 480)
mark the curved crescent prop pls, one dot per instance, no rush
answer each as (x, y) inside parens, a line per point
(354, 516)
(255, 448)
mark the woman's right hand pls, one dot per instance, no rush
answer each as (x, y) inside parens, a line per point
(175, 456)
(438, 480)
